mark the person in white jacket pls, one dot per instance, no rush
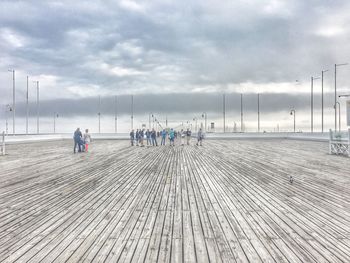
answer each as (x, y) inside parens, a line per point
(87, 139)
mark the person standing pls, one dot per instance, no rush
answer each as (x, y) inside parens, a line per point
(199, 137)
(132, 137)
(172, 137)
(182, 136)
(148, 136)
(87, 139)
(154, 137)
(142, 134)
(163, 134)
(77, 140)
(137, 137)
(188, 136)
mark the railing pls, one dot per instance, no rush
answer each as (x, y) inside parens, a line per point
(3, 150)
(339, 145)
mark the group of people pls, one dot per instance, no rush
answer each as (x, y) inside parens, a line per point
(150, 136)
(81, 141)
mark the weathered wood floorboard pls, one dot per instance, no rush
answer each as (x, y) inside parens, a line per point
(228, 201)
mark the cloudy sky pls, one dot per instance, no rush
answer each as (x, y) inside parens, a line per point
(79, 50)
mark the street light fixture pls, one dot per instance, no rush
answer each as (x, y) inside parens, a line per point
(37, 106)
(292, 112)
(323, 71)
(204, 115)
(335, 93)
(55, 116)
(312, 102)
(8, 109)
(241, 112)
(27, 105)
(99, 114)
(13, 101)
(115, 115)
(258, 112)
(338, 114)
(195, 119)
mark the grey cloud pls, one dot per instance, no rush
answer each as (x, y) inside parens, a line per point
(181, 104)
(182, 43)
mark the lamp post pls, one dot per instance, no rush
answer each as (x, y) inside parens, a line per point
(338, 103)
(37, 106)
(312, 102)
(323, 71)
(335, 93)
(258, 112)
(13, 101)
(132, 112)
(224, 111)
(204, 115)
(292, 112)
(115, 115)
(149, 120)
(241, 112)
(99, 114)
(8, 109)
(195, 119)
(55, 115)
(27, 105)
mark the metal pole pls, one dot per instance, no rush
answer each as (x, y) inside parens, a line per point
(115, 115)
(13, 101)
(335, 97)
(322, 103)
(224, 111)
(258, 112)
(27, 105)
(132, 112)
(293, 111)
(99, 114)
(241, 112)
(3, 143)
(37, 107)
(149, 121)
(312, 104)
(339, 116)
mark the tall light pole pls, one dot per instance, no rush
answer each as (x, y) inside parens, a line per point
(8, 109)
(55, 115)
(27, 105)
(132, 112)
(204, 115)
(292, 112)
(323, 71)
(335, 93)
(99, 114)
(195, 119)
(115, 115)
(339, 115)
(258, 112)
(149, 120)
(312, 102)
(13, 101)
(224, 111)
(241, 112)
(37, 106)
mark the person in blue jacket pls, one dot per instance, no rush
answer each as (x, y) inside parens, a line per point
(78, 140)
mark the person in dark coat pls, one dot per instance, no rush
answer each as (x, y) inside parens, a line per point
(78, 140)
(154, 137)
(132, 137)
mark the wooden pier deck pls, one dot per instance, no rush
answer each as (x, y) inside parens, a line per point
(228, 201)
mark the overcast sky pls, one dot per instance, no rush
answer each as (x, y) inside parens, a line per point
(82, 49)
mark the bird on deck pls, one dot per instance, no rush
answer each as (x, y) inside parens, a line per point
(291, 179)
